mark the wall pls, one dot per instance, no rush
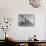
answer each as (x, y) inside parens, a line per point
(12, 8)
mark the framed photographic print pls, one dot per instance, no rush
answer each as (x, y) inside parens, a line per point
(26, 20)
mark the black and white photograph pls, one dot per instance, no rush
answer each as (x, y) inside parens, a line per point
(26, 20)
